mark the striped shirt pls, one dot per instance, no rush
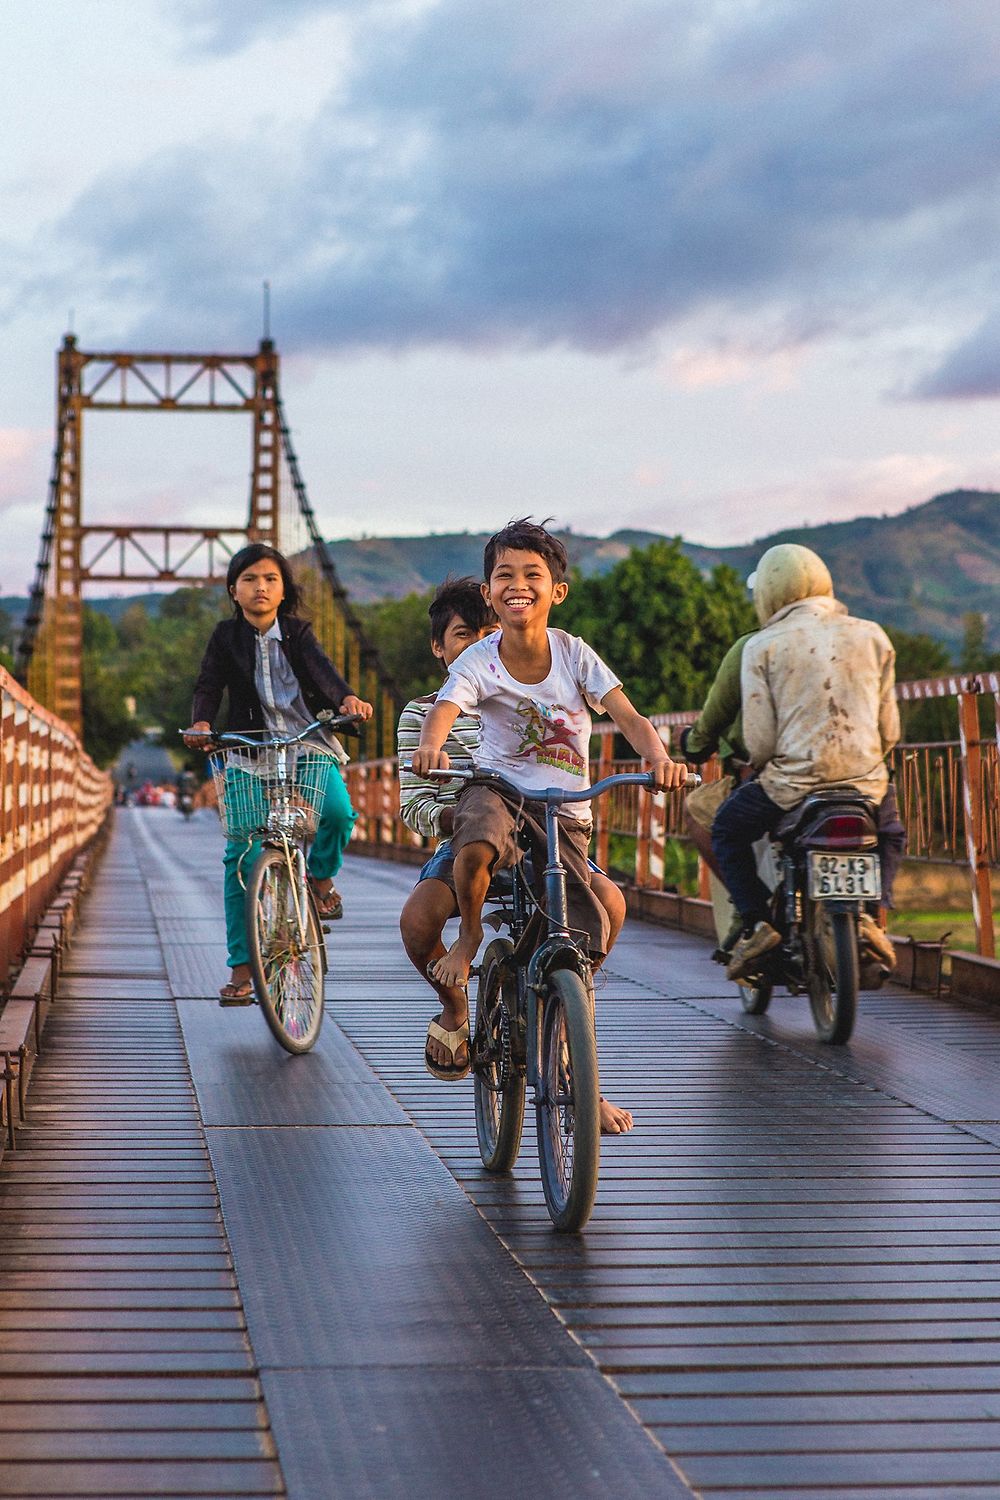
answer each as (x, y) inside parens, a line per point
(422, 802)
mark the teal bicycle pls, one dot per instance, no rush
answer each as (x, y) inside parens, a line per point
(270, 793)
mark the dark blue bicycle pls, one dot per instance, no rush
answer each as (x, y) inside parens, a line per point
(535, 1019)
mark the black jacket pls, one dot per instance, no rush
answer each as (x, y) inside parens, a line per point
(229, 662)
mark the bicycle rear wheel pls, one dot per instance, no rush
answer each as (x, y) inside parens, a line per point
(569, 1113)
(287, 972)
(499, 1078)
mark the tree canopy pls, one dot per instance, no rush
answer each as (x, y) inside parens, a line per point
(660, 623)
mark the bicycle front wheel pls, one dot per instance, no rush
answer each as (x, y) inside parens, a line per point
(287, 970)
(569, 1111)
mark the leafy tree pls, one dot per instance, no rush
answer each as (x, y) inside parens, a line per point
(165, 667)
(401, 632)
(107, 723)
(976, 655)
(660, 623)
(7, 634)
(134, 627)
(928, 720)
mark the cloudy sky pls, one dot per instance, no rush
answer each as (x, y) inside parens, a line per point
(703, 266)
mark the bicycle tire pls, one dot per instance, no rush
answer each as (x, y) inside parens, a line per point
(288, 978)
(499, 1080)
(833, 977)
(569, 1110)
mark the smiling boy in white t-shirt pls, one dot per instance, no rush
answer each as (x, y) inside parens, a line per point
(533, 688)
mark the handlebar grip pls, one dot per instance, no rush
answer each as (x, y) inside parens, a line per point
(452, 773)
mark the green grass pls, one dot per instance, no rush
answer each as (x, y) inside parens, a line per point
(928, 926)
(680, 863)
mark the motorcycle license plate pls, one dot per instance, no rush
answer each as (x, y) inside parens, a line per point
(844, 876)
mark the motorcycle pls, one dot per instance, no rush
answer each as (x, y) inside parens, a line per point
(829, 871)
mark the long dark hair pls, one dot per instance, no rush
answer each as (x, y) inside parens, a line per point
(247, 556)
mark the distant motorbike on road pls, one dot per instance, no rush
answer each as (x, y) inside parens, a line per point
(185, 795)
(827, 855)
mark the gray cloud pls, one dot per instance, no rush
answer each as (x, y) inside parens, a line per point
(502, 173)
(971, 370)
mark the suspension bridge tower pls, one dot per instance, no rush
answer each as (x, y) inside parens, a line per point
(75, 553)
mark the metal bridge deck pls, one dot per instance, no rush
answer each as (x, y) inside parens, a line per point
(225, 1271)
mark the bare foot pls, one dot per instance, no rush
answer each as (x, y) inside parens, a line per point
(614, 1121)
(454, 1014)
(451, 971)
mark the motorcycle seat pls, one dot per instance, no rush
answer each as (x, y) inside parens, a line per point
(821, 800)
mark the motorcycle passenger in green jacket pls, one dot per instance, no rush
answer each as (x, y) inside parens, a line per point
(717, 729)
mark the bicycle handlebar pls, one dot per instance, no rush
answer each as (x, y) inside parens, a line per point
(325, 719)
(554, 796)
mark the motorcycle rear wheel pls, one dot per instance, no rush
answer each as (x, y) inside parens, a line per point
(833, 972)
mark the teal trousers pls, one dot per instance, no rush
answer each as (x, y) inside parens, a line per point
(337, 818)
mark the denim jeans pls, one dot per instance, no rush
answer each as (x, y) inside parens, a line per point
(336, 820)
(745, 816)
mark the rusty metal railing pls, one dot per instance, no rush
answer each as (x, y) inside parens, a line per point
(949, 796)
(53, 800)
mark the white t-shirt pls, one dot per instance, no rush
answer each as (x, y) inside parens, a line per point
(536, 733)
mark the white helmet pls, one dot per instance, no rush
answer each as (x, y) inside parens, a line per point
(787, 573)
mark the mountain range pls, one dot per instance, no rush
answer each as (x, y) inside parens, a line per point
(921, 570)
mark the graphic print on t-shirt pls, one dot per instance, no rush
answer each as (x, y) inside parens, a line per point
(547, 733)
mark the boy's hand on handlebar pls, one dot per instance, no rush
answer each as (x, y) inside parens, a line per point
(667, 773)
(424, 761)
(199, 736)
(355, 705)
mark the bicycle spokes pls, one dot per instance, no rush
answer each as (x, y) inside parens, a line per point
(560, 1104)
(288, 961)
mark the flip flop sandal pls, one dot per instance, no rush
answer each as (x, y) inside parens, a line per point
(237, 994)
(452, 1040)
(330, 906)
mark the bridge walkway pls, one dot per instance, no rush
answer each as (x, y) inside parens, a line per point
(225, 1271)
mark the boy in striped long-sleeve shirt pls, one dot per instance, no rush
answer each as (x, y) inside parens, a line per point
(425, 806)
(459, 615)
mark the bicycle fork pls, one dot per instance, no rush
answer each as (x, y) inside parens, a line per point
(300, 891)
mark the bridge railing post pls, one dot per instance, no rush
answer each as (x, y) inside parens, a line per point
(974, 808)
(602, 809)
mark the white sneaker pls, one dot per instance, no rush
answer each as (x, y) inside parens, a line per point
(749, 950)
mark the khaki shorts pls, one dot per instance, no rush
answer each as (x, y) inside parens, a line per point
(704, 802)
(483, 817)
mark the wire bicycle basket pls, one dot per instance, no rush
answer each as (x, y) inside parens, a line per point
(274, 789)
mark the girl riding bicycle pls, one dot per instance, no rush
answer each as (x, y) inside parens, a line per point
(277, 675)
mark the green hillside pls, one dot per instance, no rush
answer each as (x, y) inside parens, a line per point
(919, 571)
